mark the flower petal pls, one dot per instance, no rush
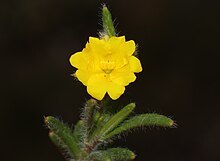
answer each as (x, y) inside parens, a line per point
(122, 78)
(97, 86)
(115, 90)
(83, 76)
(128, 48)
(120, 62)
(97, 46)
(135, 64)
(115, 42)
(76, 60)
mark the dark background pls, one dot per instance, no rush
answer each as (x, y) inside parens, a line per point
(178, 47)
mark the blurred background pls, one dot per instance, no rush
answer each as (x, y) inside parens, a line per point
(179, 50)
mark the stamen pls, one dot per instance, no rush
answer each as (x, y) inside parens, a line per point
(107, 66)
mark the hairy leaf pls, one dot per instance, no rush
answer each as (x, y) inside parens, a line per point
(112, 154)
(60, 145)
(139, 121)
(107, 22)
(65, 134)
(116, 119)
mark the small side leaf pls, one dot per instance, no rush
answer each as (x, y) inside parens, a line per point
(65, 134)
(103, 119)
(139, 121)
(100, 122)
(116, 119)
(112, 154)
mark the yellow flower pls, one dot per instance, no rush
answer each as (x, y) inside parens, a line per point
(106, 66)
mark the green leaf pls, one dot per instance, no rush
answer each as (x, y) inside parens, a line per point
(60, 144)
(116, 119)
(88, 117)
(56, 140)
(98, 124)
(107, 22)
(103, 114)
(139, 121)
(98, 156)
(79, 130)
(103, 119)
(88, 113)
(65, 134)
(112, 154)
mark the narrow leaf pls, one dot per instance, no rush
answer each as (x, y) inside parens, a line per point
(60, 145)
(116, 119)
(88, 118)
(88, 113)
(65, 134)
(141, 120)
(56, 140)
(112, 154)
(98, 156)
(79, 130)
(107, 22)
(101, 121)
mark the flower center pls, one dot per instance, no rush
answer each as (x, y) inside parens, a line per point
(107, 66)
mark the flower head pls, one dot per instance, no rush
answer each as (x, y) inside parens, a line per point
(106, 65)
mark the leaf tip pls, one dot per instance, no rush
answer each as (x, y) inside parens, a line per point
(91, 102)
(51, 134)
(104, 8)
(171, 122)
(131, 106)
(133, 156)
(46, 118)
(174, 124)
